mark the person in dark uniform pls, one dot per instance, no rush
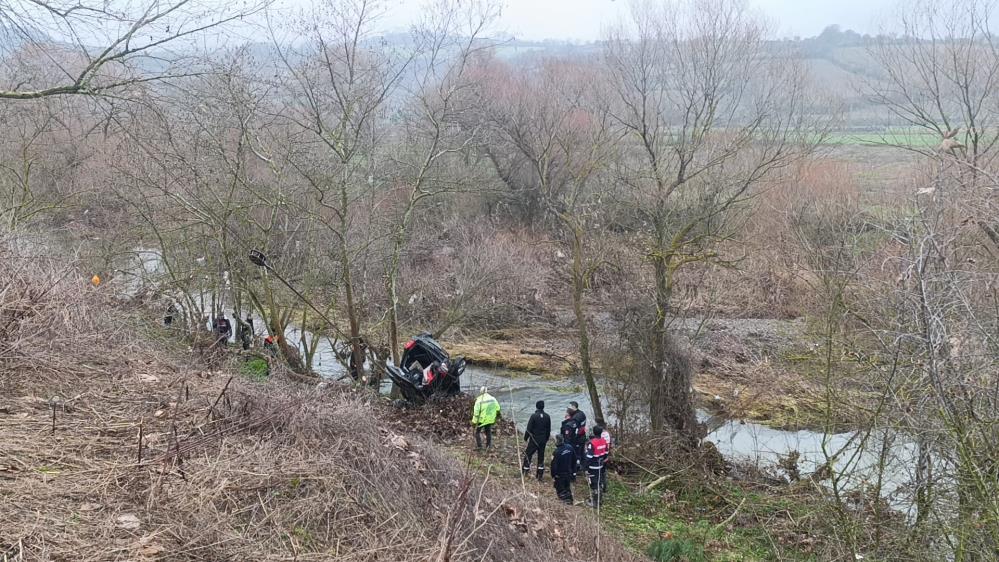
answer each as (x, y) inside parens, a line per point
(223, 331)
(539, 429)
(244, 331)
(596, 455)
(569, 430)
(563, 469)
(579, 439)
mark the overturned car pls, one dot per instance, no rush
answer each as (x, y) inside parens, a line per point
(426, 370)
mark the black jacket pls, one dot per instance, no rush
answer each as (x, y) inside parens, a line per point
(539, 428)
(580, 418)
(569, 430)
(564, 461)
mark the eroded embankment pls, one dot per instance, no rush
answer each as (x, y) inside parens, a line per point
(759, 370)
(115, 447)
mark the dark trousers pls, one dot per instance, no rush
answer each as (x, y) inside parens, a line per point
(488, 429)
(532, 449)
(563, 488)
(598, 483)
(580, 447)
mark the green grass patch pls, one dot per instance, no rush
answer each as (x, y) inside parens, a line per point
(908, 138)
(693, 524)
(671, 550)
(255, 369)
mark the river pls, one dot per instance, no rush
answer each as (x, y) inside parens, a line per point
(737, 440)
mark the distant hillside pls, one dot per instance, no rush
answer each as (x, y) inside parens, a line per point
(838, 62)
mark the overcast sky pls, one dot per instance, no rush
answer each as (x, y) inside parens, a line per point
(583, 19)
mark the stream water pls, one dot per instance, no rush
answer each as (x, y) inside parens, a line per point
(737, 440)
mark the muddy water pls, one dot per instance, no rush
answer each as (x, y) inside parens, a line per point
(735, 439)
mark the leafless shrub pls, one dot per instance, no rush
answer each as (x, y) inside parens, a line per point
(147, 456)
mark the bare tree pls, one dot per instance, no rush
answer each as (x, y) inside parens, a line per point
(99, 47)
(552, 137)
(446, 42)
(942, 77)
(710, 112)
(339, 94)
(40, 157)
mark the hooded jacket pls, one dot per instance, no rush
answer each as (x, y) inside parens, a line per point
(485, 411)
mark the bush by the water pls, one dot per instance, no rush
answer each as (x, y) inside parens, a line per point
(256, 369)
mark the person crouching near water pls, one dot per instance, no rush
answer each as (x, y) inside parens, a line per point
(564, 469)
(485, 412)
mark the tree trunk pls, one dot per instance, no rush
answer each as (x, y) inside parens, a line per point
(578, 289)
(391, 284)
(356, 349)
(924, 475)
(670, 401)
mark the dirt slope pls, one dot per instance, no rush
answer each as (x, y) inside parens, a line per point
(228, 469)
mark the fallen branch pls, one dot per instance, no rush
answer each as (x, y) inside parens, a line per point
(551, 355)
(208, 415)
(730, 517)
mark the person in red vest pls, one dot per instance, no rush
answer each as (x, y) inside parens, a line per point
(435, 371)
(597, 450)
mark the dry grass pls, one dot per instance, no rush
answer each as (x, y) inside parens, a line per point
(151, 458)
(507, 355)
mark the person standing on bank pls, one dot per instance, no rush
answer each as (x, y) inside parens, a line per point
(563, 469)
(539, 428)
(485, 412)
(168, 317)
(596, 457)
(568, 432)
(579, 441)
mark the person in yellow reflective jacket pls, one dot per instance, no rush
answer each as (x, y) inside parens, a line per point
(485, 412)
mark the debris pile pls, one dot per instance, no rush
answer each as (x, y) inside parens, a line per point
(445, 418)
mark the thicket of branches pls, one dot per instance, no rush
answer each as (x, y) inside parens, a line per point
(423, 182)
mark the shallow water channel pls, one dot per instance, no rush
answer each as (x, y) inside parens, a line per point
(735, 439)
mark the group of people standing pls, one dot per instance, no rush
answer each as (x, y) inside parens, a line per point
(575, 450)
(221, 327)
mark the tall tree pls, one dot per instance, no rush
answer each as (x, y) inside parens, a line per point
(551, 137)
(340, 92)
(446, 42)
(709, 113)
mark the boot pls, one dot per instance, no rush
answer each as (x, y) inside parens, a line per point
(594, 500)
(541, 474)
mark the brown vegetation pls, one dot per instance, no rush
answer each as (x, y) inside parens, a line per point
(112, 449)
(656, 202)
